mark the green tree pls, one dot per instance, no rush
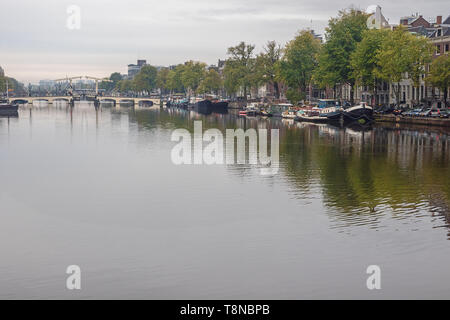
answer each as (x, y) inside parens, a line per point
(212, 82)
(109, 86)
(364, 60)
(13, 85)
(342, 36)
(267, 64)
(2, 84)
(402, 53)
(439, 75)
(192, 75)
(239, 69)
(420, 56)
(322, 77)
(298, 63)
(162, 79)
(125, 86)
(174, 81)
(145, 80)
(231, 79)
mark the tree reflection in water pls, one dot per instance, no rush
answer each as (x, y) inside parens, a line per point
(362, 174)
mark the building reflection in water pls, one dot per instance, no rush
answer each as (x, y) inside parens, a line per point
(362, 175)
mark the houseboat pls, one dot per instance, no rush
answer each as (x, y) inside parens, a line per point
(251, 110)
(8, 109)
(219, 106)
(203, 107)
(311, 115)
(277, 110)
(361, 112)
(289, 114)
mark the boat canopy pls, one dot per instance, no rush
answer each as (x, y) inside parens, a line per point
(327, 103)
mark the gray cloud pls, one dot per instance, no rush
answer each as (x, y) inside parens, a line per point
(35, 43)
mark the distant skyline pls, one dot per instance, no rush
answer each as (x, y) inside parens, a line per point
(37, 45)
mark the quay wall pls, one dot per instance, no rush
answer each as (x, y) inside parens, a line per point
(413, 120)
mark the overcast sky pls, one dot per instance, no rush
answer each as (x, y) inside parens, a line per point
(36, 44)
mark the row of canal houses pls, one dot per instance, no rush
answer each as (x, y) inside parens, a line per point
(438, 31)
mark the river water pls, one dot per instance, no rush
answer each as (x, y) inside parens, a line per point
(98, 189)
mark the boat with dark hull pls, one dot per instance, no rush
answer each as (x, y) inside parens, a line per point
(219, 106)
(360, 113)
(211, 106)
(320, 114)
(203, 107)
(330, 109)
(330, 112)
(312, 115)
(8, 109)
(332, 115)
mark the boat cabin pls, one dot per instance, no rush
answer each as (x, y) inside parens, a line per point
(327, 103)
(280, 108)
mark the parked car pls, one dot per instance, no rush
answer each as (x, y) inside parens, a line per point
(416, 112)
(397, 112)
(425, 113)
(408, 113)
(435, 113)
(387, 110)
(445, 113)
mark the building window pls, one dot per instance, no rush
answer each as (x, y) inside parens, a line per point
(446, 48)
(438, 49)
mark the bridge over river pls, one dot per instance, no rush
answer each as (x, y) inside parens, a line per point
(110, 100)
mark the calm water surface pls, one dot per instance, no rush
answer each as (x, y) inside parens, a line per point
(99, 190)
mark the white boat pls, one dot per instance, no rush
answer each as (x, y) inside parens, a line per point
(251, 110)
(312, 115)
(289, 114)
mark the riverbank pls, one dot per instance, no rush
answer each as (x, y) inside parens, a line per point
(412, 120)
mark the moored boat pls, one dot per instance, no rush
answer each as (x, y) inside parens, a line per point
(265, 113)
(311, 115)
(361, 112)
(327, 110)
(330, 109)
(203, 107)
(277, 110)
(8, 109)
(251, 110)
(289, 114)
(218, 106)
